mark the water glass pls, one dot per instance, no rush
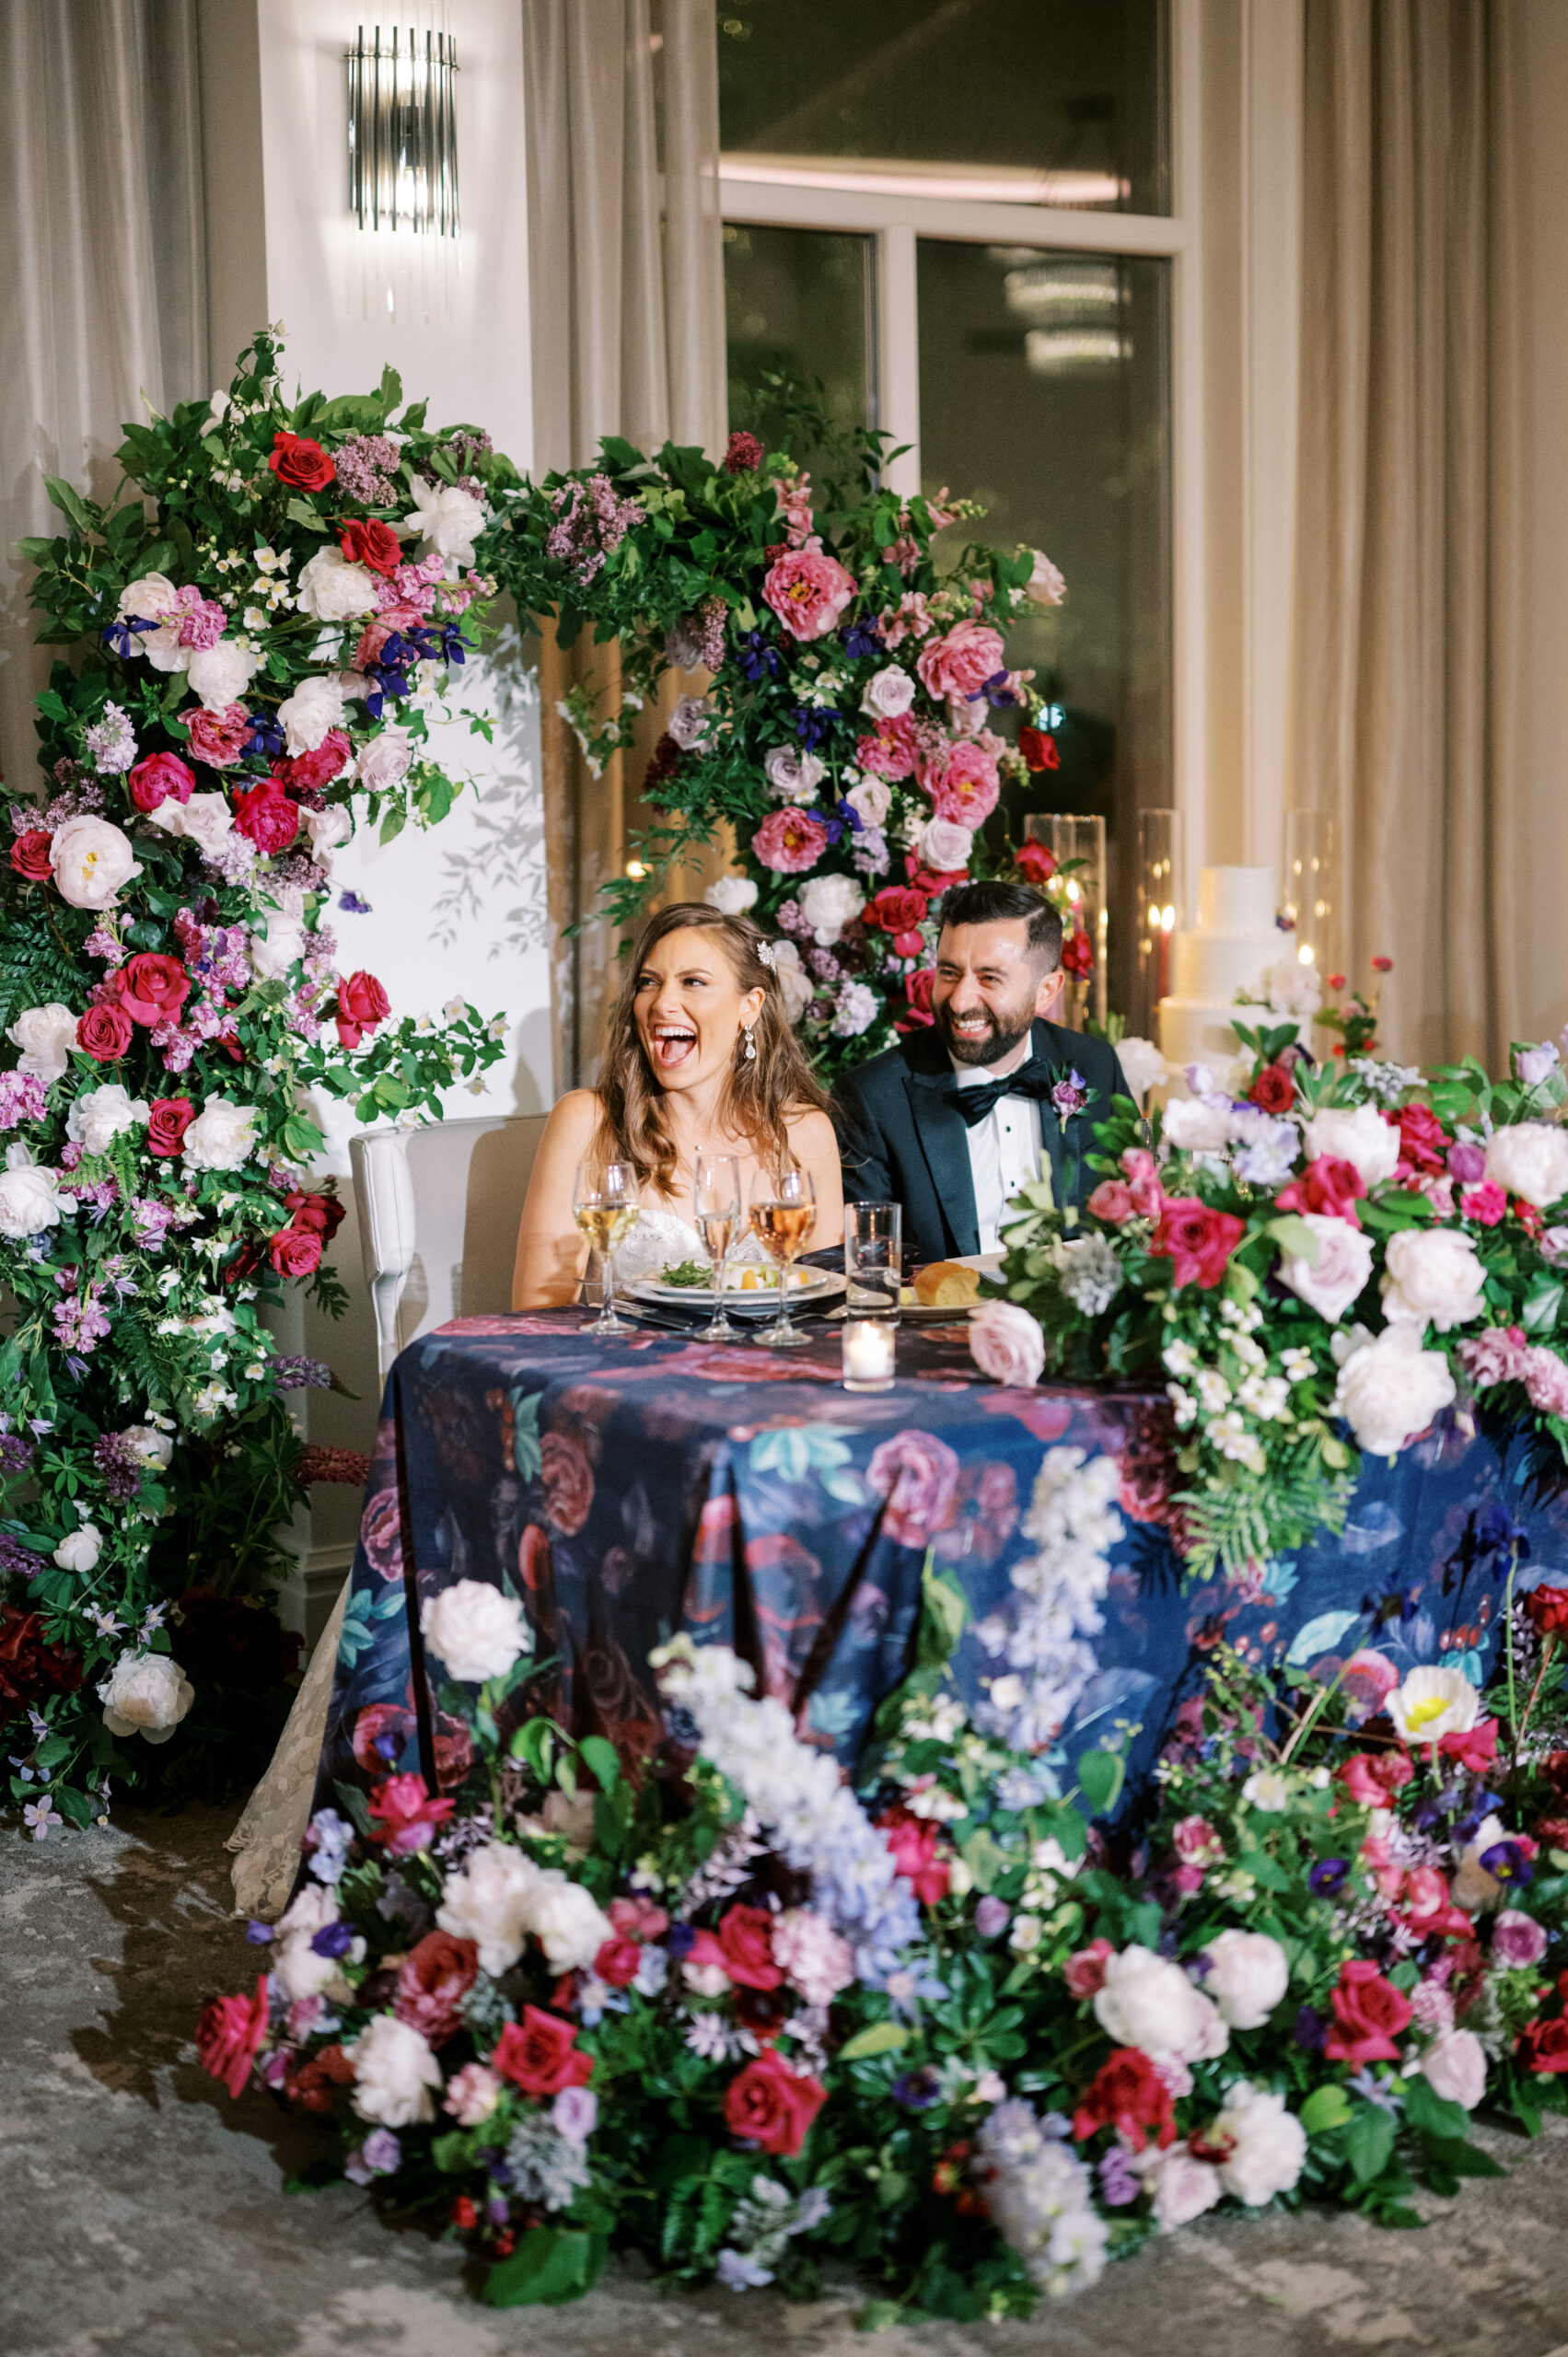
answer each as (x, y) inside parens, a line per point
(873, 1266)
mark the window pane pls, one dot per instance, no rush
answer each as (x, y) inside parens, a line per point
(1043, 393)
(1070, 87)
(797, 302)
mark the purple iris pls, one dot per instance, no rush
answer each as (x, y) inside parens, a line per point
(1505, 1862)
(266, 734)
(813, 722)
(757, 658)
(861, 645)
(120, 634)
(1312, 2029)
(355, 903)
(333, 1940)
(997, 689)
(917, 2090)
(682, 1940)
(1328, 1878)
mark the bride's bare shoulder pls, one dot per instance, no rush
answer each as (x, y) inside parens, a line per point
(575, 1114)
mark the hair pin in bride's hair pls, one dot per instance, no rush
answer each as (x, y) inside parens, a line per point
(765, 953)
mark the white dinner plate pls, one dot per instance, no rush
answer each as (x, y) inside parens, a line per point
(821, 1284)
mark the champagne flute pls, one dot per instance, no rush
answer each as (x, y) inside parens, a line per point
(604, 1205)
(784, 1213)
(716, 1203)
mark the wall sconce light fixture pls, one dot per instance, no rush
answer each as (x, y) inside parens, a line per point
(402, 130)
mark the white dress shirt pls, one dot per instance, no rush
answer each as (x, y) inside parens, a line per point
(1004, 1148)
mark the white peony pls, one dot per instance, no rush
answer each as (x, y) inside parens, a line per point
(316, 706)
(221, 1136)
(1390, 1389)
(487, 1900)
(1431, 1702)
(206, 818)
(945, 846)
(794, 775)
(688, 720)
(1269, 2144)
(145, 1694)
(1148, 2002)
(151, 597)
(566, 1922)
(1454, 2066)
(80, 1548)
(795, 986)
(148, 1445)
(1197, 1124)
(870, 800)
(329, 831)
(1290, 988)
(385, 761)
(732, 895)
(275, 950)
(478, 1633)
(100, 1115)
(29, 1201)
(1359, 1135)
(1248, 1973)
(446, 518)
(1142, 1067)
(828, 903)
(46, 1036)
(334, 591)
(1047, 584)
(1183, 2185)
(1337, 1277)
(394, 2074)
(1432, 1277)
(887, 692)
(219, 675)
(91, 859)
(1530, 1159)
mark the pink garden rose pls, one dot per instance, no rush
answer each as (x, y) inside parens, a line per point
(918, 1475)
(790, 841)
(808, 591)
(962, 783)
(219, 738)
(961, 660)
(1006, 1343)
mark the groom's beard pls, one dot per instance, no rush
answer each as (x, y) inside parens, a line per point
(989, 1048)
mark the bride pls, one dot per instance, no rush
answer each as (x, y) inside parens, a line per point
(700, 1059)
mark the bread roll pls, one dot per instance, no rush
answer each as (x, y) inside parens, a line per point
(947, 1284)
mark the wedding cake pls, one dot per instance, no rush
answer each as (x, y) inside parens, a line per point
(1235, 953)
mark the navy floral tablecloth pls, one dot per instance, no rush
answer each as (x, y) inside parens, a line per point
(631, 1488)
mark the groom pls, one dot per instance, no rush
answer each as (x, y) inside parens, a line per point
(954, 1119)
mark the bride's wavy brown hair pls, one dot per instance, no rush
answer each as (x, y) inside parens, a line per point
(759, 1095)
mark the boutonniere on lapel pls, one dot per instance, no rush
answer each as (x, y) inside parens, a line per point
(1069, 1096)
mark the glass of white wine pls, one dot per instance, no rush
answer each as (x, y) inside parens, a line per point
(604, 1204)
(716, 1207)
(784, 1213)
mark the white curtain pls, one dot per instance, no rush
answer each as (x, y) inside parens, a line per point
(102, 277)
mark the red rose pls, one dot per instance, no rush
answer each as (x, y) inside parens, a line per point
(294, 1251)
(1036, 863)
(304, 465)
(896, 909)
(1475, 1749)
(913, 1842)
(244, 1263)
(619, 1963)
(323, 1213)
(1423, 1142)
(1127, 2094)
(918, 987)
(371, 543)
(1078, 955)
(152, 988)
(1273, 1090)
(105, 1032)
(30, 856)
(1548, 1610)
(1199, 1241)
(541, 2054)
(362, 1003)
(746, 1947)
(1382, 965)
(773, 2106)
(1328, 1185)
(1544, 2045)
(311, 2085)
(1369, 2013)
(433, 1981)
(267, 816)
(167, 1121)
(306, 772)
(229, 2036)
(1040, 751)
(406, 1815)
(152, 782)
(1371, 1779)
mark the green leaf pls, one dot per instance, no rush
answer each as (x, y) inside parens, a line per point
(1429, 2111)
(61, 496)
(1293, 1236)
(300, 511)
(1543, 1303)
(356, 1808)
(882, 2038)
(1326, 2108)
(392, 825)
(943, 1610)
(526, 1451)
(551, 2266)
(602, 1760)
(51, 1751)
(1369, 2142)
(1100, 1779)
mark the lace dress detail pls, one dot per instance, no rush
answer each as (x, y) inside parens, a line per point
(268, 1835)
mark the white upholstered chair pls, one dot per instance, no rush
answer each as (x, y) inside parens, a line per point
(438, 1215)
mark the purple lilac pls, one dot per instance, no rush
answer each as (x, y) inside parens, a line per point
(118, 1467)
(367, 469)
(16, 1455)
(112, 741)
(295, 1373)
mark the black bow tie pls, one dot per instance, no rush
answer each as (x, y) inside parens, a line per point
(1032, 1079)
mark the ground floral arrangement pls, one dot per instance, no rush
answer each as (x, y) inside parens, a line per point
(749, 2019)
(1316, 1268)
(268, 611)
(847, 735)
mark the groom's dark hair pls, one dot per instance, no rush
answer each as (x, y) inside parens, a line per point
(998, 903)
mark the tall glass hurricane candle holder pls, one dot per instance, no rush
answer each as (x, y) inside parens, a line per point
(1079, 846)
(1160, 891)
(1311, 900)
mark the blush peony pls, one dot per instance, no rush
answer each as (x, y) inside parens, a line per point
(808, 591)
(222, 1135)
(476, 1631)
(100, 1115)
(219, 675)
(91, 860)
(487, 1899)
(1530, 1160)
(945, 846)
(566, 1922)
(45, 1036)
(145, 1694)
(1248, 1973)
(315, 705)
(1338, 1275)
(1149, 2003)
(828, 903)
(1390, 1389)
(1433, 1278)
(961, 660)
(1358, 1134)
(963, 784)
(1454, 2066)
(733, 896)
(1268, 2144)
(790, 842)
(332, 588)
(395, 2073)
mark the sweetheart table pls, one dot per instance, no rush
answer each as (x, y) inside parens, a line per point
(629, 1488)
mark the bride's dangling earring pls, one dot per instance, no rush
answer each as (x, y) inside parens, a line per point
(751, 1044)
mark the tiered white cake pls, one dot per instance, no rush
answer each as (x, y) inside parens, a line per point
(1228, 956)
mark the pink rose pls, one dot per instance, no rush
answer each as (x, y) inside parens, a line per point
(1006, 1343)
(808, 591)
(962, 783)
(961, 660)
(1517, 1939)
(891, 749)
(153, 782)
(1084, 1973)
(1142, 1182)
(1110, 1201)
(219, 738)
(918, 1475)
(790, 841)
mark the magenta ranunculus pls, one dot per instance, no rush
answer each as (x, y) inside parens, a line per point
(219, 738)
(961, 660)
(808, 591)
(962, 782)
(790, 841)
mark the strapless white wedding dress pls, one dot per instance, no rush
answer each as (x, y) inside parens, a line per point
(661, 1240)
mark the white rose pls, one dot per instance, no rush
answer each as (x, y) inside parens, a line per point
(487, 1900)
(1267, 1790)
(732, 895)
(1197, 1124)
(151, 597)
(219, 675)
(206, 818)
(565, 1921)
(446, 518)
(315, 706)
(1248, 1973)
(1433, 1276)
(329, 831)
(1390, 1388)
(80, 1548)
(1008, 1346)
(334, 591)
(293, 1960)
(828, 903)
(478, 1633)
(148, 1445)
(1184, 2186)
(221, 1136)
(1290, 988)
(1431, 1702)
(394, 2073)
(1529, 1159)
(945, 846)
(1046, 584)
(1336, 1278)
(385, 761)
(1269, 2144)
(688, 720)
(91, 859)
(46, 1036)
(887, 692)
(100, 1115)
(871, 800)
(795, 986)
(1142, 1067)
(145, 1694)
(1148, 2002)
(275, 951)
(1455, 2067)
(29, 1201)
(1359, 1135)
(794, 775)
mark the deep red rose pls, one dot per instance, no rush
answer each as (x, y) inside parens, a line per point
(311, 2085)
(619, 1962)
(541, 2054)
(303, 772)
(168, 1118)
(773, 2106)
(1548, 1610)
(303, 464)
(372, 544)
(1273, 1090)
(30, 856)
(918, 987)
(1199, 1241)
(916, 1854)
(1329, 1185)
(294, 1251)
(433, 1981)
(1544, 2045)
(31, 1668)
(323, 1213)
(267, 816)
(406, 1815)
(1040, 751)
(1371, 1779)
(746, 1941)
(896, 909)
(229, 2036)
(1078, 955)
(162, 775)
(152, 988)
(1369, 2013)
(1127, 2094)
(1475, 1749)
(1423, 1142)
(1036, 863)
(362, 1003)
(105, 1033)
(244, 1263)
